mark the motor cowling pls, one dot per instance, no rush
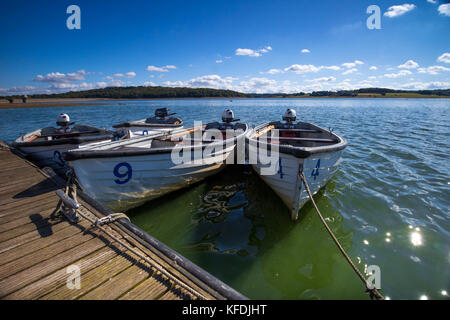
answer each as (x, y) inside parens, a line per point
(162, 112)
(63, 120)
(228, 116)
(290, 115)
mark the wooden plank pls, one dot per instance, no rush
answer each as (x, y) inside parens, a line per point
(25, 238)
(45, 253)
(29, 195)
(91, 279)
(305, 139)
(150, 289)
(34, 218)
(36, 244)
(25, 277)
(172, 294)
(18, 203)
(119, 284)
(263, 131)
(44, 226)
(7, 175)
(59, 277)
(28, 210)
(16, 182)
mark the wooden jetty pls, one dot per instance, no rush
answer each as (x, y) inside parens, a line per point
(38, 245)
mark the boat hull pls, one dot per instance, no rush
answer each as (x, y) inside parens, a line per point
(51, 156)
(287, 184)
(122, 183)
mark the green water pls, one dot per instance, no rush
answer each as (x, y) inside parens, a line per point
(388, 204)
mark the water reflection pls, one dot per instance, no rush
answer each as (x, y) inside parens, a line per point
(234, 226)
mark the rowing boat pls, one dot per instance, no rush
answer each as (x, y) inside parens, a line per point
(127, 173)
(162, 121)
(294, 148)
(45, 146)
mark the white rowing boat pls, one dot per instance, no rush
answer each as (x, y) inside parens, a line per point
(302, 147)
(125, 174)
(161, 122)
(45, 146)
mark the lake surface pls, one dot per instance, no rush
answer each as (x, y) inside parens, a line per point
(388, 204)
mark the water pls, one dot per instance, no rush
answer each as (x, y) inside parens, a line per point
(388, 204)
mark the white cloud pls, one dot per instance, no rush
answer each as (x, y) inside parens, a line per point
(208, 81)
(160, 69)
(22, 90)
(350, 65)
(410, 64)
(305, 51)
(57, 77)
(257, 85)
(247, 52)
(445, 57)
(352, 70)
(219, 61)
(62, 87)
(433, 70)
(425, 85)
(444, 9)
(335, 68)
(399, 10)
(304, 68)
(130, 74)
(323, 79)
(251, 52)
(373, 68)
(372, 77)
(401, 73)
(150, 84)
(274, 71)
(432, 1)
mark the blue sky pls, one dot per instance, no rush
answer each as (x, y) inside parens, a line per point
(249, 46)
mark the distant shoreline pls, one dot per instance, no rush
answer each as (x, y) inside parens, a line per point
(72, 102)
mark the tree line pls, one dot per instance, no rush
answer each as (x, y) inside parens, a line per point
(142, 92)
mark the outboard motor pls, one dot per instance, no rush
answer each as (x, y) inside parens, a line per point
(161, 112)
(227, 119)
(63, 120)
(290, 116)
(228, 116)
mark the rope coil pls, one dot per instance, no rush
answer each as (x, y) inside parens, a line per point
(373, 292)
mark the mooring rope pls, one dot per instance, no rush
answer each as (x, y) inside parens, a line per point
(373, 292)
(70, 190)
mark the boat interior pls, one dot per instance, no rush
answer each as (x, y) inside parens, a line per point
(164, 121)
(51, 133)
(167, 140)
(301, 134)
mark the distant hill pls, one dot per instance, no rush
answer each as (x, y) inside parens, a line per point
(169, 92)
(142, 93)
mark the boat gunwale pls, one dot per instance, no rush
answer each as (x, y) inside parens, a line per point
(74, 140)
(77, 154)
(298, 152)
(138, 123)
